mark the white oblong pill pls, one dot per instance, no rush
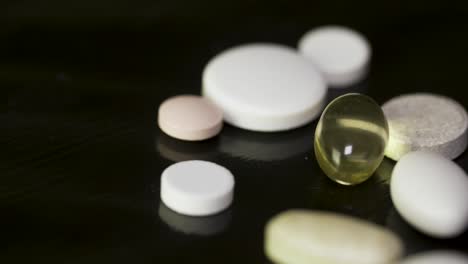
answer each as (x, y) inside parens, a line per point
(197, 188)
(264, 87)
(190, 117)
(341, 54)
(431, 192)
(302, 236)
(437, 257)
(426, 122)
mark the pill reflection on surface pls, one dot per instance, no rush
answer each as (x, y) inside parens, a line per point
(437, 257)
(190, 225)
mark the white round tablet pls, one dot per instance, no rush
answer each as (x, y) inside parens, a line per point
(190, 117)
(264, 87)
(341, 54)
(425, 122)
(197, 188)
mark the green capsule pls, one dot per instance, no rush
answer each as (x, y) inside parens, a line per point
(350, 138)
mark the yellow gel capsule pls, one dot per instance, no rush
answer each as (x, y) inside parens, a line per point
(350, 138)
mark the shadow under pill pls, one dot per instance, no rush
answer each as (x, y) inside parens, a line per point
(369, 200)
(266, 147)
(414, 240)
(195, 225)
(417, 241)
(383, 174)
(180, 150)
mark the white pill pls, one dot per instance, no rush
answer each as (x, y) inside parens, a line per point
(190, 117)
(301, 237)
(425, 122)
(197, 188)
(264, 87)
(437, 257)
(341, 54)
(431, 192)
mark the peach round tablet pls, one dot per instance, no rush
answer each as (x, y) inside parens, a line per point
(190, 117)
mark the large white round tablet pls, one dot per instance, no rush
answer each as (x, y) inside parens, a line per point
(437, 257)
(197, 188)
(264, 87)
(341, 54)
(302, 237)
(425, 122)
(431, 192)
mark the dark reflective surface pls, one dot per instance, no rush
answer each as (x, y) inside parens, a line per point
(190, 225)
(266, 147)
(179, 150)
(81, 154)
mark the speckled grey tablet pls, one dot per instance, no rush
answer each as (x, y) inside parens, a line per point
(425, 122)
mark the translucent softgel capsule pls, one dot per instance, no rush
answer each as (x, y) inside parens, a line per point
(350, 138)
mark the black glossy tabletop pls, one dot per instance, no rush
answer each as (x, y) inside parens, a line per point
(81, 153)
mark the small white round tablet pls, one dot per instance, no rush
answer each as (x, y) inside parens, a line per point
(425, 122)
(190, 117)
(341, 54)
(264, 87)
(197, 188)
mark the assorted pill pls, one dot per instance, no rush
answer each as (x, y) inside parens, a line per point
(431, 192)
(341, 54)
(350, 138)
(301, 237)
(197, 188)
(426, 122)
(269, 88)
(264, 87)
(190, 117)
